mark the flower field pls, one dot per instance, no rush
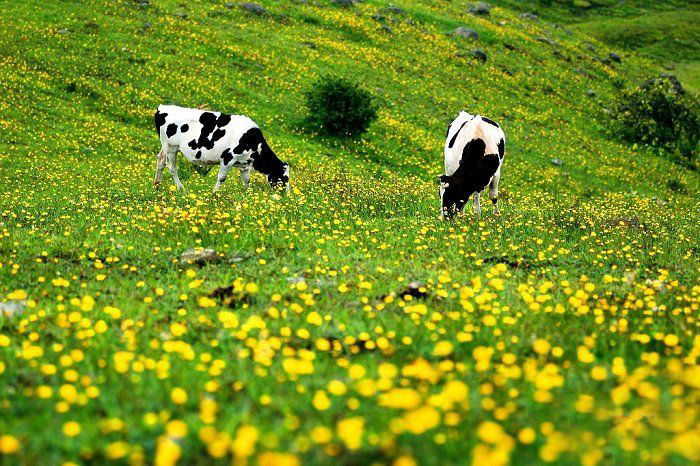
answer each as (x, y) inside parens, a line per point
(343, 322)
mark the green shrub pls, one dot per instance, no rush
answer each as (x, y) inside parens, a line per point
(661, 114)
(338, 107)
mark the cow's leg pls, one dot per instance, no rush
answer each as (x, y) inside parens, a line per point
(493, 190)
(223, 173)
(245, 176)
(172, 166)
(160, 165)
(477, 205)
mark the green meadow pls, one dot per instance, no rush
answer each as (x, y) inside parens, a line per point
(343, 322)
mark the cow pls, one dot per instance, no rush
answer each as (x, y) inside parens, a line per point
(213, 138)
(474, 151)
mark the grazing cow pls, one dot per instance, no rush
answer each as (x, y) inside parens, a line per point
(213, 138)
(474, 152)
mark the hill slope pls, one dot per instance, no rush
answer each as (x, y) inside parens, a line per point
(564, 330)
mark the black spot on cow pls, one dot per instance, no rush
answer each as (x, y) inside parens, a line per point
(483, 171)
(264, 159)
(223, 120)
(171, 129)
(448, 130)
(193, 144)
(472, 152)
(198, 155)
(454, 138)
(491, 122)
(184, 128)
(218, 134)
(226, 156)
(210, 127)
(501, 148)
(207, 119)
(160, 120)
(250, 141)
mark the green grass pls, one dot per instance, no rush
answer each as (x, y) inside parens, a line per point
(669, 37)
(598, 253)
(689, 74)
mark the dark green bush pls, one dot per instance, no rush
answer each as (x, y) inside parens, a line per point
(338, 107)
(661, 114)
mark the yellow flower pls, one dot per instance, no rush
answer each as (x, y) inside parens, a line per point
(314, 318)
(404, 461)
(9, 444)
(321, 434)
(527, 435)
(400, 398)
(167, 452)
(350, 432)
(321, 401)
(599, 373)
(671, 340)
(490, 432)
(278, 459)
(71, 429)
(541, 346)
(443, 348)
(244, 443)
(176, 428)
(356, 371)
(178, 395)
(422, 419)
(336, 387)
(116, 450)
(584, 404)
(17, 295)
(584, 355)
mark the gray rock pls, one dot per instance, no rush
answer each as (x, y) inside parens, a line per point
(200, 256)
(590, 93)
(480, 55)
(480, 9)
(12, 308)
(677, 86)
(557, 162)
(546, 40)
(530, 16)
(615, 57)
(394, 9)
(466, 33)
(254, 8)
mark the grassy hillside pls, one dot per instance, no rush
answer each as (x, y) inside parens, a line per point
(563, 331)
(664, 32)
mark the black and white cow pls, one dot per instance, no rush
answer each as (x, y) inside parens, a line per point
(474, 152)
(213, 138)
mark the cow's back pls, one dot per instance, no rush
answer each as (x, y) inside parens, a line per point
(470, 132)
(201, 135)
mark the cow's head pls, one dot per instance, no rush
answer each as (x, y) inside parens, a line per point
(280, 179)
(451, 196)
